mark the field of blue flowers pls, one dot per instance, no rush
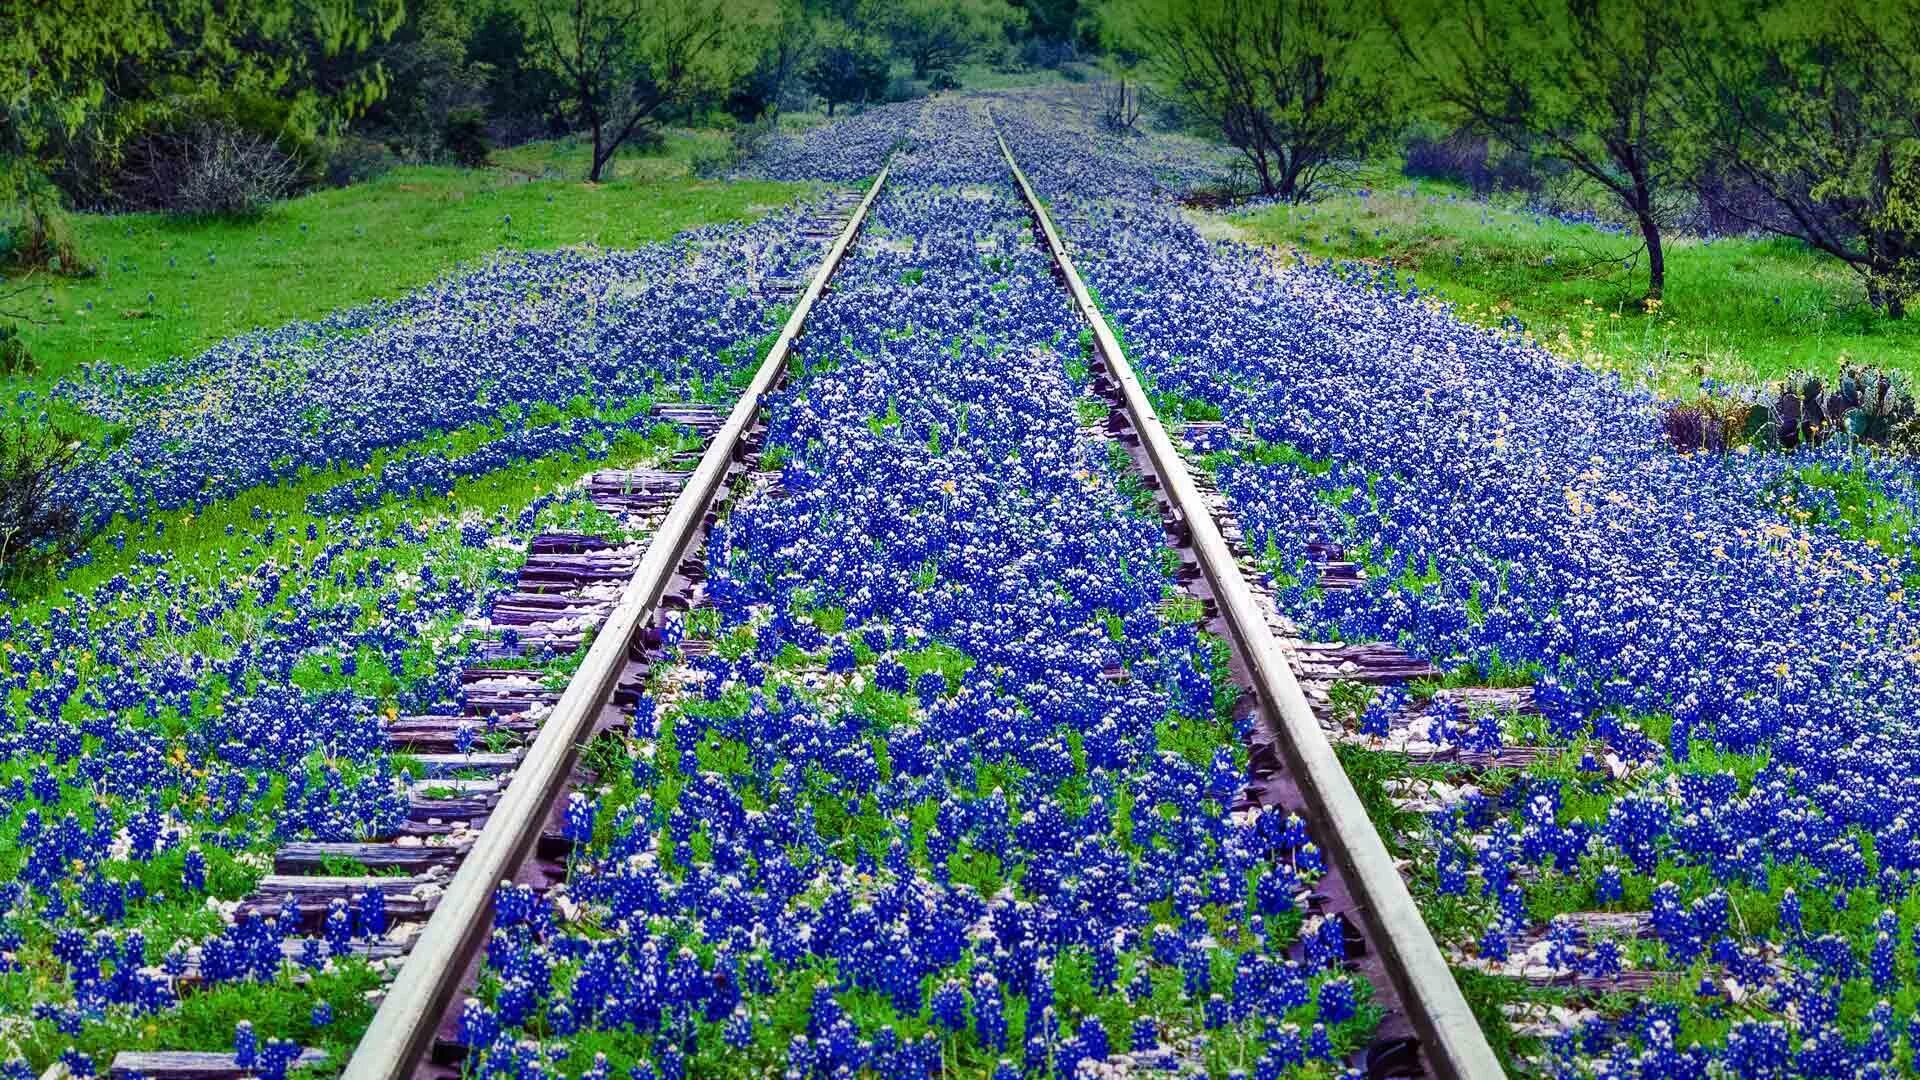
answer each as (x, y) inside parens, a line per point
(303, 532)
(1719, 752)
(944, 789)
(946, 778)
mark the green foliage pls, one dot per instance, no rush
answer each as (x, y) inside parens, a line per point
(41, 236)
(437, 99)
(522, 96)
(1053, 20)
(1811, 103)
(1297, 86)
(775, 79)
(15, 357)
(78, 78)
(628, 63)
(938, 35)
(847, 67)
(466, 137)
(1589, 86)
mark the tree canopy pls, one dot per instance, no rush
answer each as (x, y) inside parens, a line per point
(938, 34)
(78, 76)
(1297, 86)
(1813, 106)
(1590, 84)
(625, 63)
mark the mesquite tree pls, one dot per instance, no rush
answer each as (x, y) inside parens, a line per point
(626, 63)
(1295, 85)
(847, 68)
(1592, 84)
(1812, 104)
(938, 35)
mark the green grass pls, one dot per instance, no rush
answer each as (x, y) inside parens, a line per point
(339, 247)
(1739, 309)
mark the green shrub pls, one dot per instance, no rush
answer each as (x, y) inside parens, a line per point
(354, 159)
(466, 137)
(38, 520)
(40, 237)
(14, 357)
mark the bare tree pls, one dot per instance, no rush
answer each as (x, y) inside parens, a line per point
(1119, 105)
(626, 63)
(209, 169)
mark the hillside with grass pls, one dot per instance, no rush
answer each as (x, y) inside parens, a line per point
(168, 285)
(1744, 309)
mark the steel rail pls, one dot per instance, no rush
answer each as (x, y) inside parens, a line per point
(1452, 1042)
(403, 1028)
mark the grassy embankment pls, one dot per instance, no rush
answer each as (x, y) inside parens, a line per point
(171, 286)
(1738, 309)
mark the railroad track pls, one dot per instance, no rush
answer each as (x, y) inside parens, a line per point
(1430, 1029)
(419, 1014)
(488, 806)
(483, 818)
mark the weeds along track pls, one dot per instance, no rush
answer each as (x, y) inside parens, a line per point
(933, 730)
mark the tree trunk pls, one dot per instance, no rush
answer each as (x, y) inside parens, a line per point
(1893, 271)
(1290, 170)
(1262, 168)
(1884, 288)
(1656, 257)
(599, 161)
(1649, 229)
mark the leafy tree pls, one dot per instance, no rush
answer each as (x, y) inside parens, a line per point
(77, 77)
(1813, 106)
(789, 48)
(849, 67)
(1292, 84)
(436, 89)
(1052, 20)
(524, 97)
(1591, 84)
(625, 63)
(939, 34)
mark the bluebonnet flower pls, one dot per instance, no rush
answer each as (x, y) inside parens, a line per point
(581, 810)
(246, 1047)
